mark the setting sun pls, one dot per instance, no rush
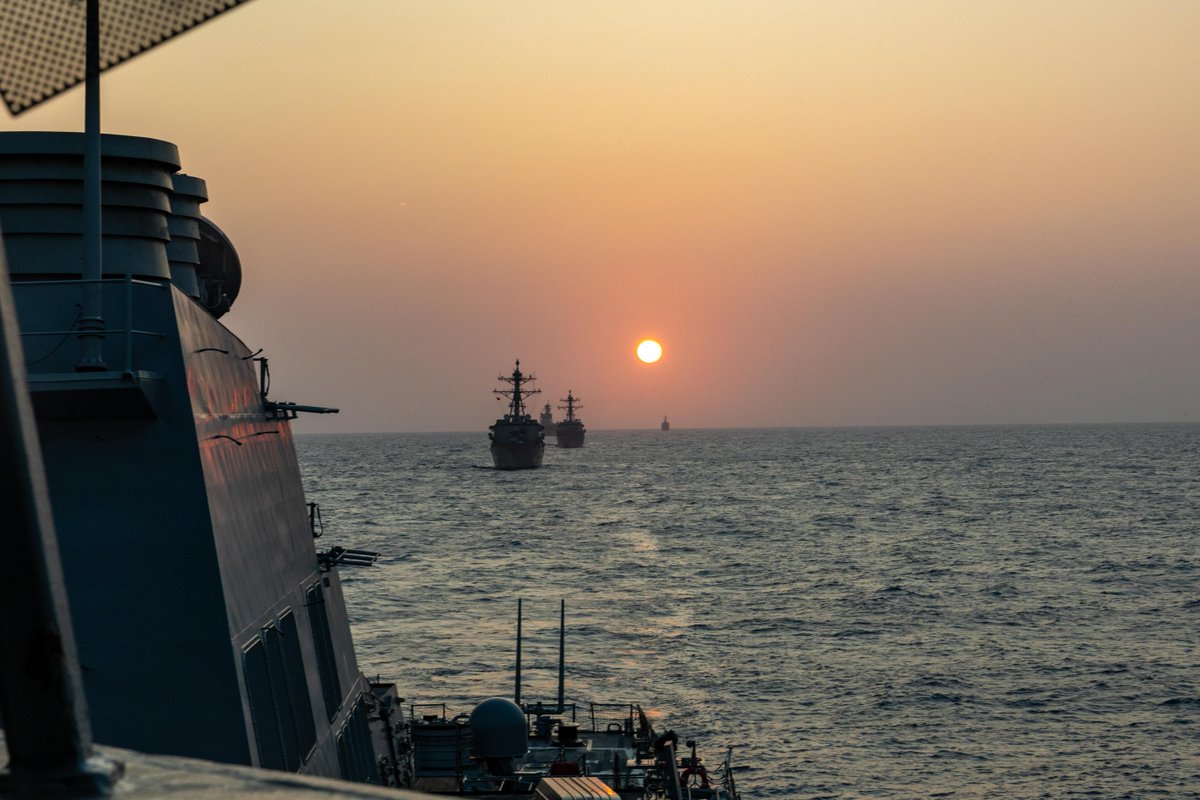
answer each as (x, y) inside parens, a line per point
(649, 351)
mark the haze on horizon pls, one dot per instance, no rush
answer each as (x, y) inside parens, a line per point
(883, 212)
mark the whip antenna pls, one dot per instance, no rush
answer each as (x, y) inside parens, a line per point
(562, 648)
(517, 681)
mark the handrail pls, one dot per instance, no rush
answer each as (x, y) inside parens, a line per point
(412, 710)
(77, 281)
(128, 332)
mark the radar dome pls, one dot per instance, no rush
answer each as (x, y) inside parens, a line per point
(498, 729)
(219, 271)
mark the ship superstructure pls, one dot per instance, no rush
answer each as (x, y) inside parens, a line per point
(518, 441)
(570, 431)
(207, 624)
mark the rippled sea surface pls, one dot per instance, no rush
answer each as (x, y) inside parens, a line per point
(998, 612)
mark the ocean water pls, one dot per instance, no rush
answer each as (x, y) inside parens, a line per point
(991, 612)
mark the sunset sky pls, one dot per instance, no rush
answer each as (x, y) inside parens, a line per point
(829, 213)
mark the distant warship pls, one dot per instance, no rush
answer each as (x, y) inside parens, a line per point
(546, 418)
(570, 431)
(666, 426)
(517, 440)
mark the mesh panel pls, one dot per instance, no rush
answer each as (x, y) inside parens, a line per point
(42, 41)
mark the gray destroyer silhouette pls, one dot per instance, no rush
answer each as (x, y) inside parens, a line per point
(518, 441)
(570, 431)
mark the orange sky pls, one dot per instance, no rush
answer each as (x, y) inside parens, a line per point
(829, 213)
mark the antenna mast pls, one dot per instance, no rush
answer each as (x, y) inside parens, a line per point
(91, 320)
(517, 680)
(516, 395)
(571, 404)
(562, 647)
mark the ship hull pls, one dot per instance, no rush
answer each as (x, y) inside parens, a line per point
(517, 444)
(570, 434)
(518, 456)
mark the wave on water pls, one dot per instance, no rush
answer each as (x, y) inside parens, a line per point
(893, 612)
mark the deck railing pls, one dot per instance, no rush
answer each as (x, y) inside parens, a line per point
(45, 348)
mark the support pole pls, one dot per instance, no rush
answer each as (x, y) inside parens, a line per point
(91, 320)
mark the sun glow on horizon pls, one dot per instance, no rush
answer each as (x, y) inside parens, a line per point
(649, 351)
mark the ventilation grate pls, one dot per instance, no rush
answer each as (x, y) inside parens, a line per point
(42, 41)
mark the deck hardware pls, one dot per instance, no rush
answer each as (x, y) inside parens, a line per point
(315, 523)
(344, 556)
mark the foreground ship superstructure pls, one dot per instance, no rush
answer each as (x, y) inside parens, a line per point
(570, 431)
(552, 749)
(518, 441)
(207, 624)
